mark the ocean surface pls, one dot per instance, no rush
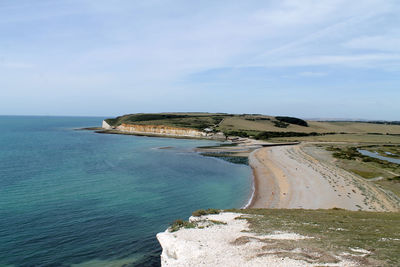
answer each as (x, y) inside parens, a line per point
(78, 198)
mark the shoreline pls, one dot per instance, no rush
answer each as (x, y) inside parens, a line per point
(290, 178)
(253, 191)
(285, 176)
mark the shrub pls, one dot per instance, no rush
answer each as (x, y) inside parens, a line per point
(268, 135)
(292, 120)
(280, 124)
(199, 213)
(236, 133)
(178, 224)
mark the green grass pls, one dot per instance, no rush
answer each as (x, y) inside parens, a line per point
(351, 153)
(365, 173)
(350, 138)
(254, 123)
(348, 158)
(178, 224)
(197, 121)
(335, 231)
(201, 212)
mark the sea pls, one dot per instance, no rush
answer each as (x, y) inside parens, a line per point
(73, 197)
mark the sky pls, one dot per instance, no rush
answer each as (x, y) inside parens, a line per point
(308, 58)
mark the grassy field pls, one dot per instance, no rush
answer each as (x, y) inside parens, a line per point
(348, 138)
(253, 124)
(333, 231)
(245, 123)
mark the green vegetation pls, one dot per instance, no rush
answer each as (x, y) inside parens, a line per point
(237, 133)
(385, 122)
(280, 124)
(391, 151)
(383, 173)
(217, 222)
(292, 120)
(178, 224)
(334, 231)
(247, 125)
(396, 179)
(199, 213)
(349, 138)
(351, 153)
(257, 119)
(269, 135)
(197, 121)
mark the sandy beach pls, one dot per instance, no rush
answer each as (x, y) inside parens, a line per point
(290, 177)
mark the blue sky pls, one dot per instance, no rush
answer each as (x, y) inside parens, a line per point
(309, 58)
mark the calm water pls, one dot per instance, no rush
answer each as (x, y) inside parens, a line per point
(76, 197)
(376, 155)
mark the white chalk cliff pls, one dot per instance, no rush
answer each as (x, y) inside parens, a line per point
(161, 130)
(224, 240)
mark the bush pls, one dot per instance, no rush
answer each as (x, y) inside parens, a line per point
(236, 133)
(280, 124)
(292, 120)
(268, 135)
(199, 213)
(396, 178)
(178, 224)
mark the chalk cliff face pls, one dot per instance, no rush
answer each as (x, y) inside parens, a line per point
(162, 130)
(159, 129)
(155, 129)
(106, 126)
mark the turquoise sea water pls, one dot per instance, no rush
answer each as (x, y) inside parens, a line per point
(79, 198)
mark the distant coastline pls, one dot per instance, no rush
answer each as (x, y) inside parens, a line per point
(275, 182)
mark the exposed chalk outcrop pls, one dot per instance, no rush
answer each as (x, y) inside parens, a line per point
(161, 130)
(106, 126)
(224, 240)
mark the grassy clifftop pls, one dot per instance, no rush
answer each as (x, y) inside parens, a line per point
(197, 121)
(334, 235)
(260, 126)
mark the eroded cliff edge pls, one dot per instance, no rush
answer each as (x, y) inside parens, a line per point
(275, 237)
(162, 130)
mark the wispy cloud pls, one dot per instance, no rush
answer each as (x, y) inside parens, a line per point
(159, 46)
(387, 43)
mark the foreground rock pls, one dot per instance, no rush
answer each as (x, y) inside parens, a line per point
(225, 240)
